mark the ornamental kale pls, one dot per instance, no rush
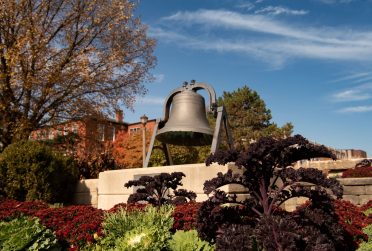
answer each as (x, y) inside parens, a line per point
(156, 190)
(271, 181)
(364, 163)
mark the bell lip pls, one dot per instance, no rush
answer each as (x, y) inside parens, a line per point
(191, 138)
(185, 129)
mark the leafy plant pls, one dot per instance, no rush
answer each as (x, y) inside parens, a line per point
(270, 182)
(139, 228)
(147, 239)
(32, 171)
(188, 240)
(368, 212)
(364, 163)
(25, 233)
(366, 245)
(156, 190)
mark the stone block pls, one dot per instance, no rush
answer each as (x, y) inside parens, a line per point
(354, 190)
(369, 189)
(352, 198)
(363, 199)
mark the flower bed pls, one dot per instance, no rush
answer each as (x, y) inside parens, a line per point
(81, 226)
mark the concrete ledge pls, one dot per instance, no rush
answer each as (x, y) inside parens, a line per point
(327, 165)
(355, 181)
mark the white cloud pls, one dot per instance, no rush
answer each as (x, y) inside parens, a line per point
(261, 24)
(351, 95)
(246, 6)
(278, 10)
(276, 40)
(351, 77)
(356, 109)
(335, 1)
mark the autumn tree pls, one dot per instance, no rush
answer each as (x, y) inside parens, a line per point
(128, 149)
(249, 118)
(67, 59)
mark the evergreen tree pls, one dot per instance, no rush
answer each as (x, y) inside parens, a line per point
(249, 118)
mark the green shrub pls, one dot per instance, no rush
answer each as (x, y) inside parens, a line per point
(26, 234)
(188, 240)
(32, 171)
(368, 211)
(368, 231)
(366, 246)
(146, 229)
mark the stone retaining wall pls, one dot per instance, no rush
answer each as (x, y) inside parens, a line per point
(357, 190)
(331, 168)
(109, 189)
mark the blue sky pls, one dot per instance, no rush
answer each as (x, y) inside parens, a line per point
(310, 61)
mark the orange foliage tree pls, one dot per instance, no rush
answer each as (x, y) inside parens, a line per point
(127, 149)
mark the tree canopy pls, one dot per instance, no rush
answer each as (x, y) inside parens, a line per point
(249, 118)
(61, 60)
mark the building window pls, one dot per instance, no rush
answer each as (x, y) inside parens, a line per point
(50, 134)
(65, 130)
(110, 133)
(44, 134)
(59, 131)
(134, 130)
(101, 132)
(75, 128)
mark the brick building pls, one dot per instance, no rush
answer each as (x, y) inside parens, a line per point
(92, 131)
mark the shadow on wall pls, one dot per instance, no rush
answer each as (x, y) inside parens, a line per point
(86, 193)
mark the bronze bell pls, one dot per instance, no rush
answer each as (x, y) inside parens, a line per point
(187, 124)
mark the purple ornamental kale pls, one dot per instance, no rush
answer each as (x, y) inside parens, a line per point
(157, 189)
